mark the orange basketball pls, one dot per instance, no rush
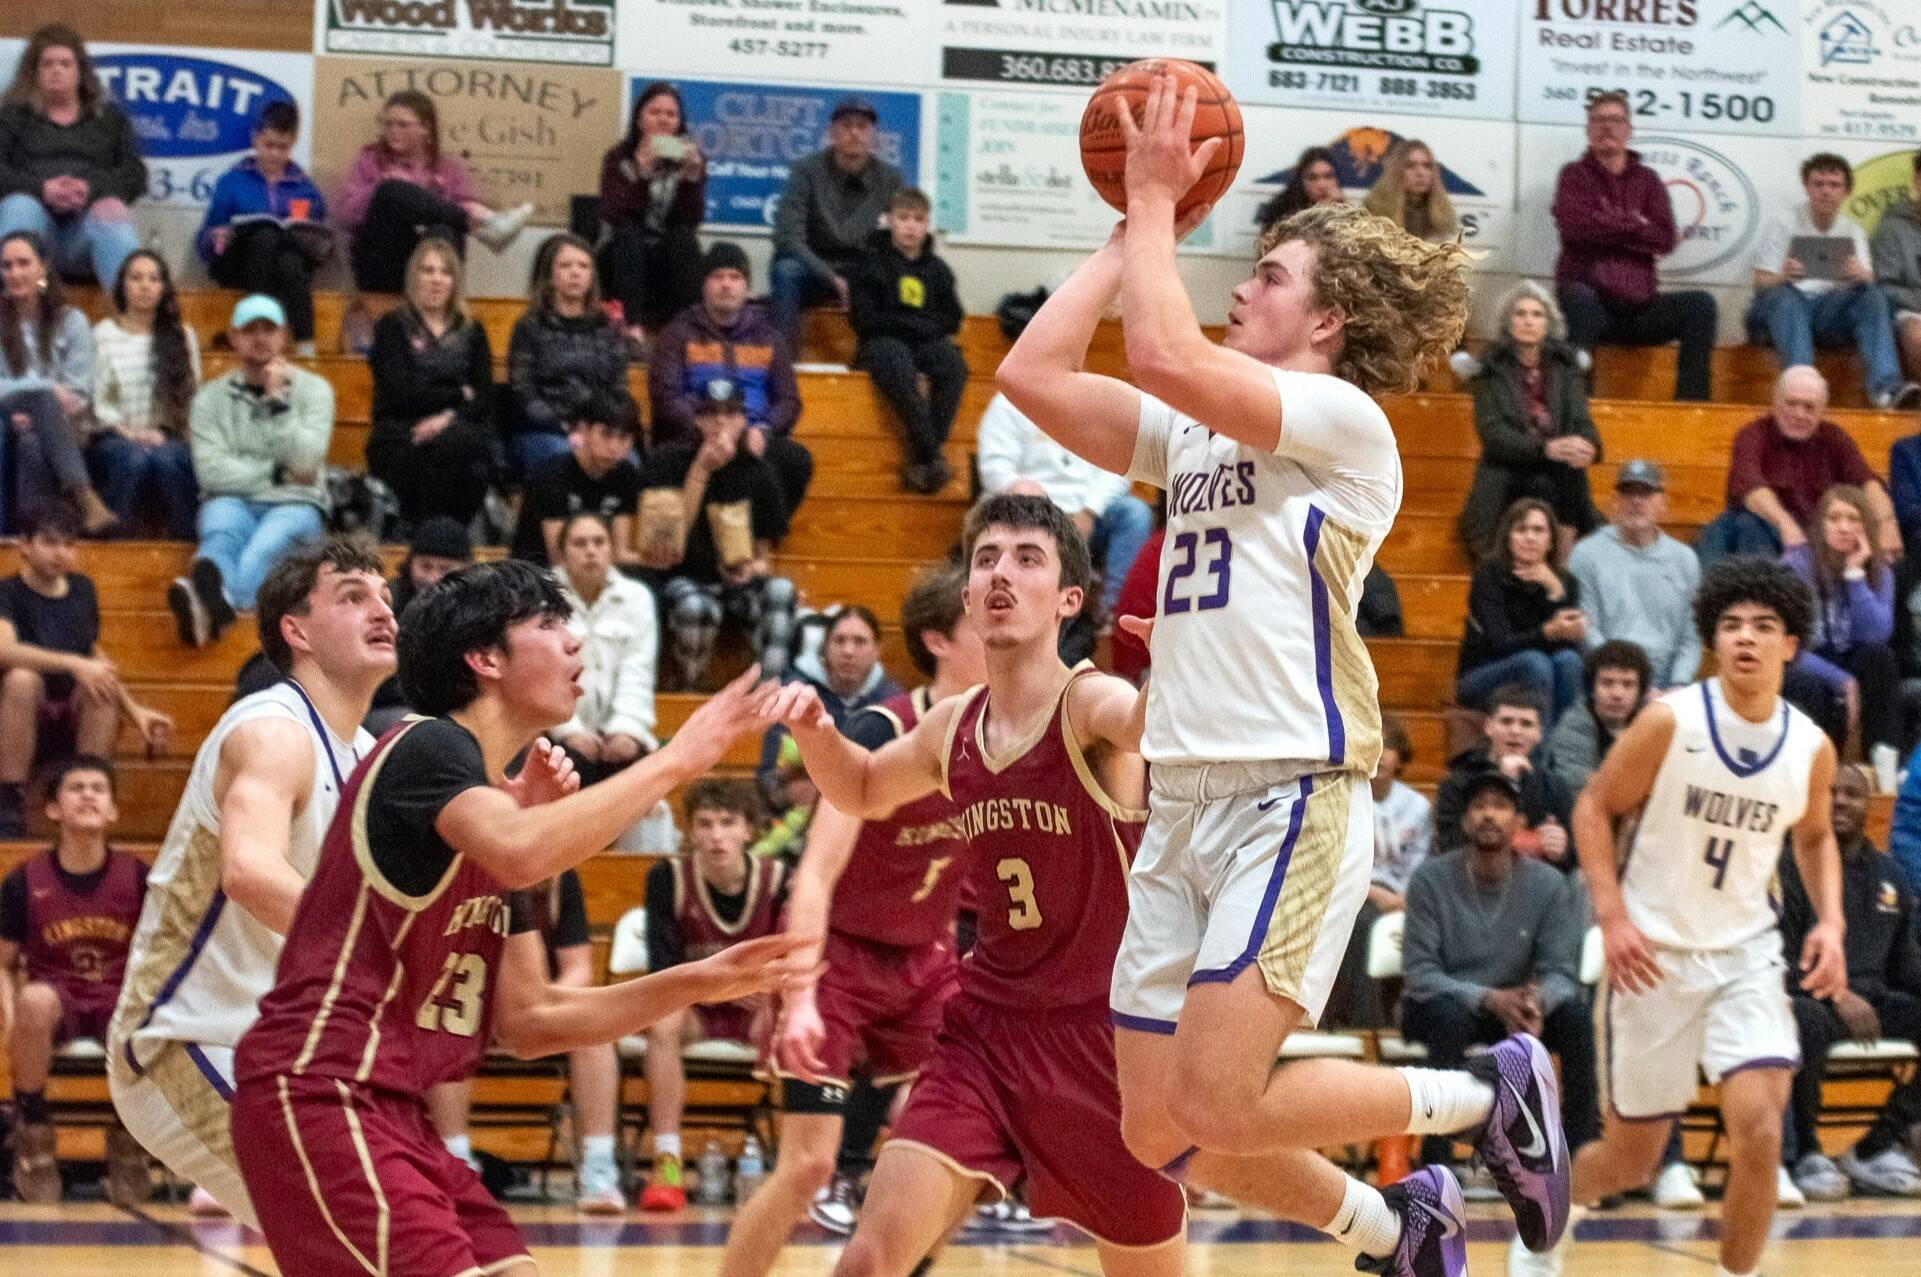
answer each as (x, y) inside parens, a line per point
(1216, 114)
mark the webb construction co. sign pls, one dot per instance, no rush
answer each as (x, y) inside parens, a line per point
(575, 31)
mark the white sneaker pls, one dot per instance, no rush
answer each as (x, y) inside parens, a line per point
(1477, 1182)
(1522, 1262)
(499, 230)
(598, 1190)
(1676, 1188)
(834, 1207)
(1886, 761)
(1889, 1173)
(1786, 1195)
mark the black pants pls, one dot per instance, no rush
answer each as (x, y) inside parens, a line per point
(1355, 1001)
(1496, 487)
(398, 217)
(264, 258)
(446, 475)
(897, 367)
(654, 277)
(1820, 1029)
(1877, 672)
(1687, 318)
(1807, 692)
(1447, 1028)
(43, 457)
(792, 465)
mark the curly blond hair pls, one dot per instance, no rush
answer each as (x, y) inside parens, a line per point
(1403, 301)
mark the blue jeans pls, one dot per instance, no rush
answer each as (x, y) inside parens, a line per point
(244, 539)
(529, 448)
(75, 241)
(1795, 323)
(127, 474)
(1555, 675)
(791, 287)
(1119, 532)
(1736, 532)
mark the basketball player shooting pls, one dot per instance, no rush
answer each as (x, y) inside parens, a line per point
(1262, 722)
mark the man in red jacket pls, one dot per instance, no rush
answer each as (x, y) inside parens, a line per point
(1614, 219)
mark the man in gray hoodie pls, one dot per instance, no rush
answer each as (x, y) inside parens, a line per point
(1896, 251)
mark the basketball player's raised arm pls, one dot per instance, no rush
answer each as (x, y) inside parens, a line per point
(1823, 962)
(830, 845)
(1110, 710)
(1619, 787)
(863, 783)
(265, 776)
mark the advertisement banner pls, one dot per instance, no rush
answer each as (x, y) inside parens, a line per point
(1687, 66)
(528, 132)
(837, 41)
(580, 32)
(1861, 62)
(193, 109)
(752, 133)
(1411, 57)
(1071, 44)
(285, 26)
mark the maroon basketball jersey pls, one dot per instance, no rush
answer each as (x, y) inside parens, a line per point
(1050, 855)
(374, 986)
(702, 932)
(902, 882)
(77, 941)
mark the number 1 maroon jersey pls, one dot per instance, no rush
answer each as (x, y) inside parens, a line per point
(376, 987)
(1050, 851)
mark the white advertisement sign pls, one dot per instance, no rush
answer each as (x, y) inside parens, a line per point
(1862, 66)
(1412, 57)
(1687, 66)
(1071, 44)
(859, 41)
(576, 31)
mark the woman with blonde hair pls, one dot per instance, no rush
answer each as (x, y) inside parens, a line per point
(433, 439)
(564, 351)
(1411, 194)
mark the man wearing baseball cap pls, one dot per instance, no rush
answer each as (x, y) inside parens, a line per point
(833, 200)
(1637, 582)
(260, 436)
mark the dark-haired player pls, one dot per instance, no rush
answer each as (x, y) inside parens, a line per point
(876, 899)
(399, 967)
(1041, 768)
(1721, 771)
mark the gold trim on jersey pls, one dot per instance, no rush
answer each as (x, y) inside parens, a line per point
(962, 1172)
(953, 729)
(502, 1264)
(1018, 750)
(1308, 887)
(312, 1044)
(363, 848)
(384, 1218)
(393, 987)
(1090, 782)
(900, 727)
(184, 901)
(313, 1181)
(201, 1110)
(1357, 692)
(757, 871)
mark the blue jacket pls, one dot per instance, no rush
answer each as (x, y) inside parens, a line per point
(1904, 837)
(1904, 484)
(242, 190)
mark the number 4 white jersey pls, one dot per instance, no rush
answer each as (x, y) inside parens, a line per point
(1728, 792)
(1255, 654)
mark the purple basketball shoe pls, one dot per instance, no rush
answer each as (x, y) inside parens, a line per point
(1433, 1227)
(1523, 1143)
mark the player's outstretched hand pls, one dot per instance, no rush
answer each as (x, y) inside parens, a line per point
(708, 732)
(1824, 962)
(798, 707)
(1630, 958)
(547, 774)
(768, 964)
(1141, 627)
(1161, 157)
(798, 1041)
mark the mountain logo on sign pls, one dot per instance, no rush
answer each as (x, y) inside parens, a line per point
(1848, 40)
(183, 107)
(1358, 154)
(1753, 15)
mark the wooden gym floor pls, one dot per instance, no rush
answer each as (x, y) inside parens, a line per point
(94, 1240)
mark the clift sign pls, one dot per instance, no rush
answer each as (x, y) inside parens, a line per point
(574, 31)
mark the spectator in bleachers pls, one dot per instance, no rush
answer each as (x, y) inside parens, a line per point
(596, 474)
(653, 197)
(1403, 831)
(146, 368)
(1904, 485)
(1615, 222)
(563, 352)
(697, 905)
(1850, 649)
(1493, 947)
(68, 914)
(1524, 621)
(1531, 412)
(1882, 1001)
(847, 672)
(46, 386)
(1781, 464)
(834, 199)
(403, 187)
(1014, 455)
(59, 693)
(1637, 582)
(1314, 180)
(613, 617)
(1896, 254)
(260, 436)
(1617, 678)
(712, 512)
(1411, 194)
(1795, 309)
(1139, 597)
(264, 231)
(721, 337)
(69, 159)
(439, 546)
(904, 308)
(559, 909)
(1514, 727)
(433, 439)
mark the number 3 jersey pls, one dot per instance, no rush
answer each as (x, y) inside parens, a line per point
(1704, 854)
(1255, 654)
(1049, 857)
(387, 978)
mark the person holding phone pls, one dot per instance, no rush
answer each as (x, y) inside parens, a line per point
(653, 196)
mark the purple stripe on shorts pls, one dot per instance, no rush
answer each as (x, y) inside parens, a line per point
(1762, 1062)
(1262, 916)
(1142, 1023)
(1323, 643)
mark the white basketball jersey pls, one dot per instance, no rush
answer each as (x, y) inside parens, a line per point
(1255, 654)
(1710, 837)
(200, 963)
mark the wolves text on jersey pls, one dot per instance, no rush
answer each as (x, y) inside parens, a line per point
(1215, 489)
(1716, 808)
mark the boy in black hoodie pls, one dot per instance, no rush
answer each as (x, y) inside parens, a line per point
(905, 311)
